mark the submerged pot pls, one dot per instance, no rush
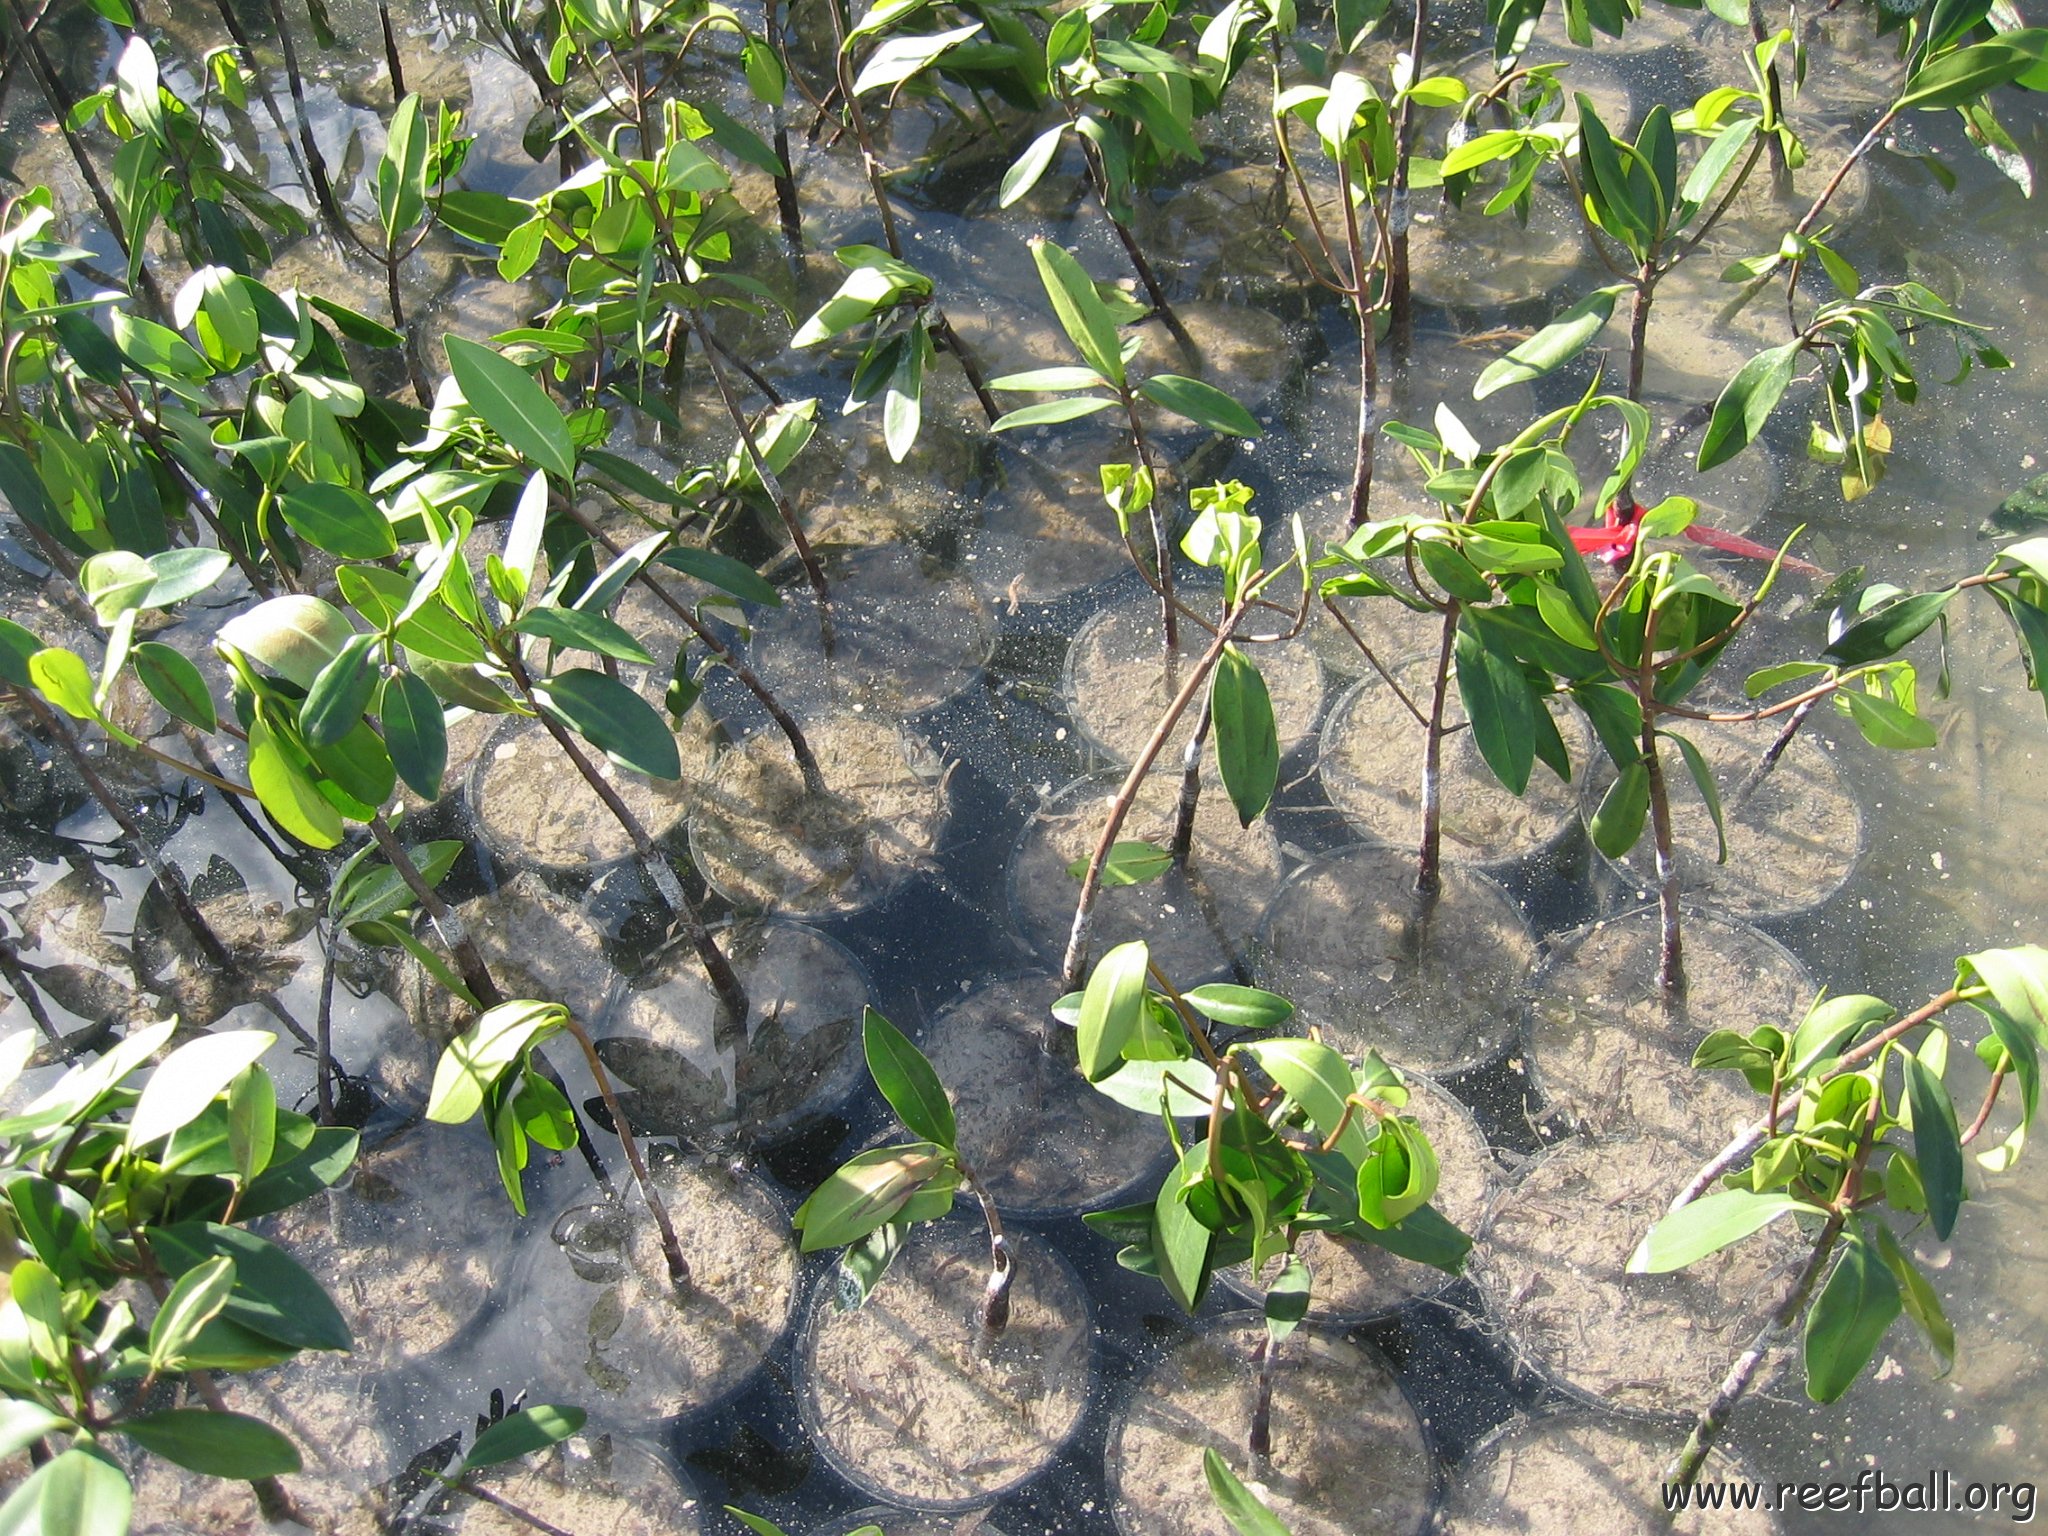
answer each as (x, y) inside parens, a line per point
(1118, 683)
(907, 1400)
(1035, 1133)
(1577, 1471)
(764, 842)
(594, 1481)
(1369, 749)
(1608, 1057)
(1430, 985)
(594, 1321)
(1198, 919)
(1551, 1265)
(1792, 843)
(897, 1522)
(1357, 1282)
(686, 1070)
(1349, 1455)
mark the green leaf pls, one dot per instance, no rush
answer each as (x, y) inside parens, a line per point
(1829, 1027)
(188, 1079)
(294, 635)
(1918, 1297)
(903, 399)
(1500, 708)
(21, 1423)
(1937, 1144)
(900, 57)
(907, 1081)
(478, 1058)
(1081, 312)
(1239, 1007)
(1398, 1176)
(724, 573)
(175, 683)
(273, 1295)
(1746, 403)
(339, 695)
(761, 1527)
(1703, 778)
(1240, 1506)
(287, 794)
(1110, 1008)
(415, 734)
(1247, 740)
(1320, 1081)
(79, 1492)
(216, 1444)
(402, 172)
(1885, 724)
(1129, 863)
(513, 406)
(193, 1303)
(1030, 166)
(1051, 412)
(1060, 377)
(615, 719)
(1708, 1225)
(521, 1433)
(583, 631)
(1553, 346)
(1850, 1316)
(866, 1191)
(1618, 822)
(1181, 1244)
(1890, 629)
(1203, 404)
(1968, 74)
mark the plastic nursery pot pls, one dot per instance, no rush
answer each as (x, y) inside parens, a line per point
(620, 1484)
(763, 841)
(266, 930)
(1369, 747)
(1045, 531)
(905, 633)
(1459, 260)
(411, 1246)
(1198, 920)
(1118, 682)
(1349, 1457)
(535, 811)
(328, 1408)
(687, 1070)
(1578, 1471)
(896, 1522)
(1550, 1264)
(594, 1318)
(1792, 842)
(1609, 1058)
(1044, 1142)
(1355, 1282)
(1431, 985)
(907, 1399)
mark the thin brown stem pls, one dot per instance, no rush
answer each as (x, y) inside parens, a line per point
(671, 1250)
(1429, 860)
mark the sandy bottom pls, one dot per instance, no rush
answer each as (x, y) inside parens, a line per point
(613, 1339)
(689, 1073)
(764, 843)
(1551, 1266)
(1457, 259)
(1036, 1134)
(1345, 941)
(1198, 922)
(1371, 770)
(261, 930)
(1119, 685)
(1575, 1472)
(906, 634)
(1791, 844)
(591, 1482)
(1351, 1281)
(535, 943)
(904, 1399)
(1610, 1059)
(1044, 530)
(1348, 1453)
(894, 1522)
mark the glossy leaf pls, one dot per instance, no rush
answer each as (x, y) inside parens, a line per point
(1082, 314)
(1885, 724)
(1746, 404)
(193, 1302)
(1937, 1144)
(1552, 347)
(1180, 1243)
(1851, 1315)
(1030, 166)
(1203, 404)
(1618, 821)
(415, 734)
(216, 1444)
(1240, 1506)
(1320, 1081)
(479, 1057)
(1129, 863)
(1051, 412)
(907, 1081)
(513, 406)
(1247, 740)
(1708, 1225)
(294, 635)
(274, 1295)
(339, 695)
(614, 719)
(1239, 1007)
(79, 1492)
(188, 1079)
(1109, 1009)
(581, 631)
(1703, 780)
(174, 682)
(521, 1433)
(865, 1192)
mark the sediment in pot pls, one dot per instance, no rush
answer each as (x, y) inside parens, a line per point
(897, 1522)
(763, 841)
(1551, 1265)
(1430, 984)
(909, 1399)
(1610, 1057)
(1349, 1457)
(1198, 920)
(685, 1069)
(1356, 1282)
(593, 1481)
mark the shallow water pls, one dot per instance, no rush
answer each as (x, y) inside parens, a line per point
(1952, 863)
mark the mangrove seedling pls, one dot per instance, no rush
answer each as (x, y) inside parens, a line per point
(119, 1188)
(868, 1205)
(1295, 1141)
(1861, 1135)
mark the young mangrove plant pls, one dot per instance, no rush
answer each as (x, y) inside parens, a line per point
(1861, 1143)
(869, 1204)
(127, 1191)
(1296, 1141)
